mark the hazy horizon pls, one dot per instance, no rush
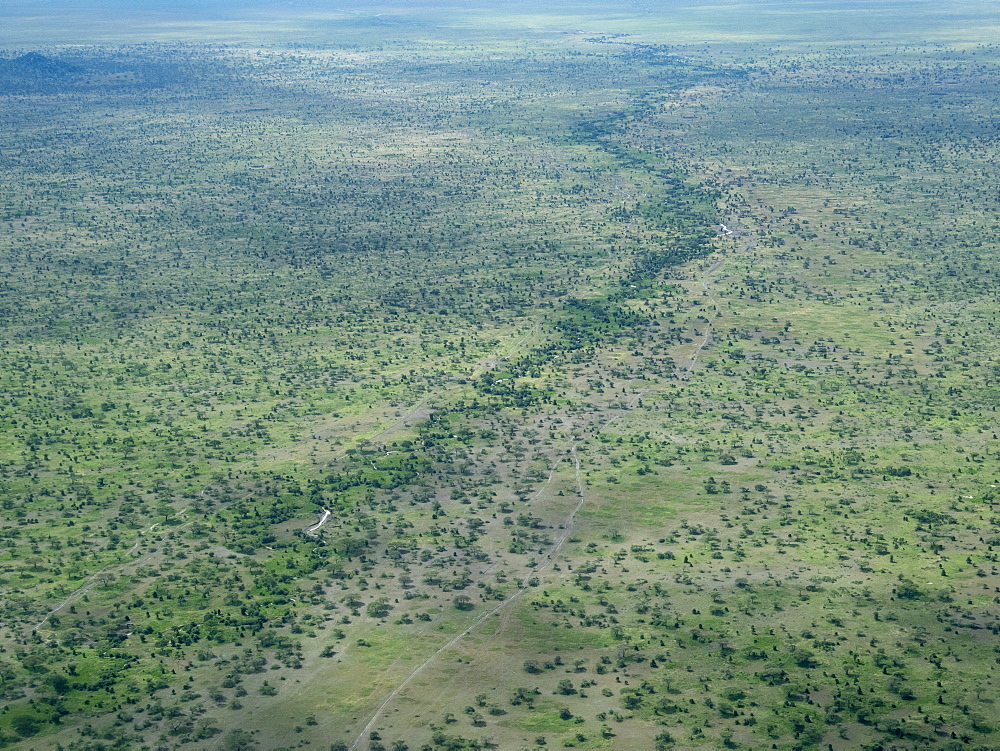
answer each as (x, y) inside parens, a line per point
(57, 22)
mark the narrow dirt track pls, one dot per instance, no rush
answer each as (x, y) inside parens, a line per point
(567, 529)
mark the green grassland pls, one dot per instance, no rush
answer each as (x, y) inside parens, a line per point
(463, 379)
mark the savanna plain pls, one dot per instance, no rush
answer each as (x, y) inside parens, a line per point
(517, 378)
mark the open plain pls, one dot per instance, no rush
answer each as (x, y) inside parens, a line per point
(463, 377)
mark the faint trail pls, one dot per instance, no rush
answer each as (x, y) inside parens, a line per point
(92, 580)
(709, 330)
(568, 526)
(88, 585)
(454, 640)
(703, 281)
(412, 413)
(521, 588)
(694, 357)
(491, 363)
